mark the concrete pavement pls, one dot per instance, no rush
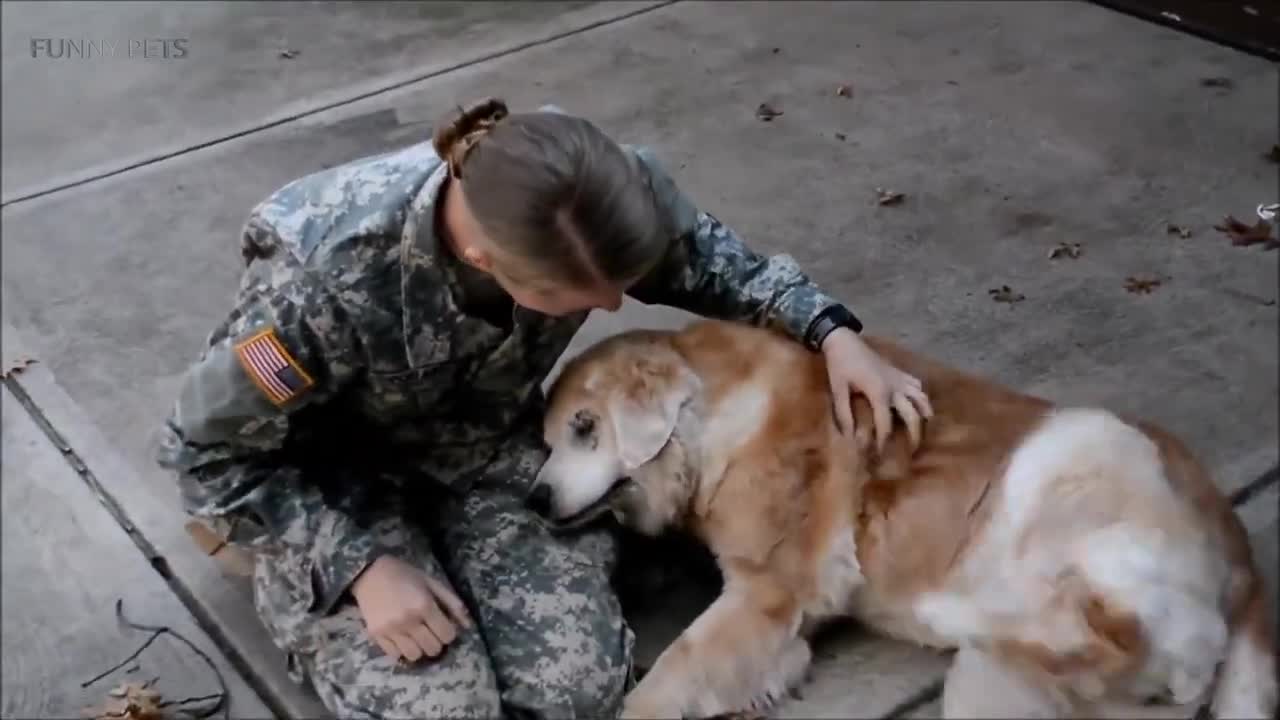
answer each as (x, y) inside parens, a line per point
(67, 563)
(97, 87)
(1010, 127)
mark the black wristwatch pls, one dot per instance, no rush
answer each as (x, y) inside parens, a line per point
(836, 316)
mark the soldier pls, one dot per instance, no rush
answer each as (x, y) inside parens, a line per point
(368, 414)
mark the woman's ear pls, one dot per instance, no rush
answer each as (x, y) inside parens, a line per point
(477, 258)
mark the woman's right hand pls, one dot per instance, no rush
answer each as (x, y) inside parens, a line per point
(409, 614)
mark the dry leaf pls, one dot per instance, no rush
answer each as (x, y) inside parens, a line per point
(130, 702)
(1069, 250)
(767, 112)
(16, 365)
(288, 54)
(1178, 230)
(1243, 235)
(1141, 285)
(234, 559)
(1273, 154)
(844, 91)
(888, 197)
(1217, 82)
(205, 537)
(1005, 294)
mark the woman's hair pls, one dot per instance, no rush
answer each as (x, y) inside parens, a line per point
(564, 202)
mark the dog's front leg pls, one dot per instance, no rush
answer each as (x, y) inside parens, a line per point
(741, 654)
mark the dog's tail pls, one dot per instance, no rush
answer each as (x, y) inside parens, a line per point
(1247, 683)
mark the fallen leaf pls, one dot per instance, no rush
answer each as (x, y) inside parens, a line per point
(840, 137)
(1217, 82)
(1005, 294)
(1243, 235)
(130, 702)
(1142, 285)
(888, 197)
(1178, 230)
(767, 112)
(13, 366)
(844, 91)
(1273, 154)
(1069, 250)
(289, 54)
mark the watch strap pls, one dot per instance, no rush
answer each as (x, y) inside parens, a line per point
(836, 316)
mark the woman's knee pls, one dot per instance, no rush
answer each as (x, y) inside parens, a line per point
(583, 679)
(552, 621)
(578, 666)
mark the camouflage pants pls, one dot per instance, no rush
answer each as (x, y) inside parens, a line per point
(550, 639)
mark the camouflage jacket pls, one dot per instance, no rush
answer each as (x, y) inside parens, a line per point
(348, 326)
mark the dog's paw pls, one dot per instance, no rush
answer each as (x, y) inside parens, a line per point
(631, 711)
(741, 715)
(640, 705)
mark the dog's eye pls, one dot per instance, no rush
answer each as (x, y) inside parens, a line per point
(583, 424)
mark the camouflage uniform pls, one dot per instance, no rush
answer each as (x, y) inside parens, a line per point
(352, 405)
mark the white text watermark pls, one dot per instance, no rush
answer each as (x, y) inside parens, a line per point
(107, 49)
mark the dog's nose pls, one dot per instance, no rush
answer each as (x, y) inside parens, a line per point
(539, 500)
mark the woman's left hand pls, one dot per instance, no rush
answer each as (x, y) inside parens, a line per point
(852, 366)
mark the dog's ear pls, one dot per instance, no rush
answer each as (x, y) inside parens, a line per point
(645, 408)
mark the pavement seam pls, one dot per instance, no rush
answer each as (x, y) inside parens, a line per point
(1242, 495)
(153, 557)
(916, 701)
(316, 110)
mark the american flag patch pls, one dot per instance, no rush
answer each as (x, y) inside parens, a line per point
(272, 369)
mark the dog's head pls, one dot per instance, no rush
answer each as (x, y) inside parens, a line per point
(611, 414)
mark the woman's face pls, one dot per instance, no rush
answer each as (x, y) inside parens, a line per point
(562, 300)
(474, 248)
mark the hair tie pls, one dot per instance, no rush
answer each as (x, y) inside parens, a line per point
(472, 125)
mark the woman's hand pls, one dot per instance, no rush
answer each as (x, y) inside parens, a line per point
(409, 614)
(853, 366)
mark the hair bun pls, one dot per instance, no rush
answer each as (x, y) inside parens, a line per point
(461, 128)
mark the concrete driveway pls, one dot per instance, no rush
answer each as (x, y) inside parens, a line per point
(1011, 129)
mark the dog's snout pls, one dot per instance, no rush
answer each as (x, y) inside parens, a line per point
(539, 500)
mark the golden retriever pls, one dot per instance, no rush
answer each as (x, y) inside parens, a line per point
(1073, 558)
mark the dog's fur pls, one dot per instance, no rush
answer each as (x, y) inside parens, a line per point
(1073, 558)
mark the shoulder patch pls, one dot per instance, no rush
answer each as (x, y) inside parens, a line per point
(276, 373)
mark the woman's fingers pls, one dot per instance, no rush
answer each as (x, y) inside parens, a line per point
(843, 400)
(433, 618)
(910, 417)
(387, 646)
(883, 418)
(406, 645)
(450, 601)
(425, 637)
(920, 399)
